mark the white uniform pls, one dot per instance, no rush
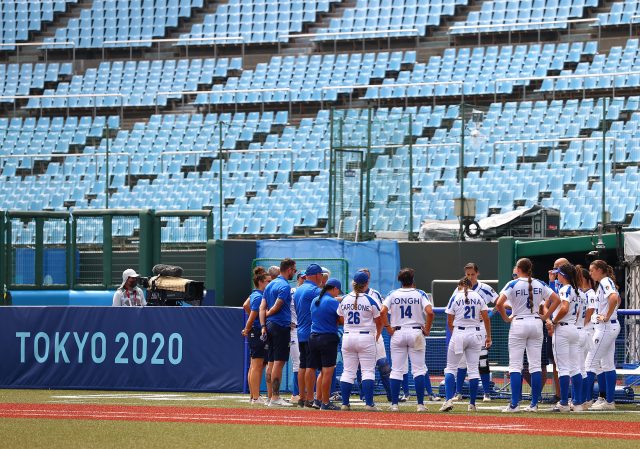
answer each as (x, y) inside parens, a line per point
(406, 308)
(381, 352)
(469, 334)
(129, 298)
(566, 350)
(489, 296)
(604, 337)
(359, 338)
(525, 332)
(294, 350)
(586, 330)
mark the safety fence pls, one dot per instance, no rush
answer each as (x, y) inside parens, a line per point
(88, 249)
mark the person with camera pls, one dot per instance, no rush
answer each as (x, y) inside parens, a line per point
(129, 294)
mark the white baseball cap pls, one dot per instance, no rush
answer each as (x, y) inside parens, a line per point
(128, 273)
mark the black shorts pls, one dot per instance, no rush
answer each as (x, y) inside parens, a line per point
(303, 346)
(278, 338)
(257, 348)
(323, 350)
(547, 348)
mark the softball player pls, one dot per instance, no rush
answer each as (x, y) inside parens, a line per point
(407, 307)
(362, 326)
(382, 364)
(566, 350)
(489, 296)
(467, 313)
(607, 329)
(527, 297)
(252, 332)
(586, 328)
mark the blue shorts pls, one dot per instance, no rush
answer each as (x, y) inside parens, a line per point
(278, 338)
(323, 350)
(257, 347)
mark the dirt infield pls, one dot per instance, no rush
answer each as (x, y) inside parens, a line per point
(523, 425)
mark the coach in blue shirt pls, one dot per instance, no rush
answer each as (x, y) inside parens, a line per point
(277, 322)
(302, 298)
(324, 340)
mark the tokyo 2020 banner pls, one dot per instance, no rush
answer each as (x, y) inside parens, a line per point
(150, 348)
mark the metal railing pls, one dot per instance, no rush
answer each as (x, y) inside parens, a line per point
(557, 77)
(374, 33)
(41, 44)
(204, 40)
(222, 92)
(478, 28)
(94, 95)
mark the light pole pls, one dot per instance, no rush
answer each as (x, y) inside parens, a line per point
(220, 205)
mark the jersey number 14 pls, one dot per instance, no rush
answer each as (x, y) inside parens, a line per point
(405, 311)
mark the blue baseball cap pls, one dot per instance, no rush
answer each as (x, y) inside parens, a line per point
(333, 282)
(361, 278)
(313, 269)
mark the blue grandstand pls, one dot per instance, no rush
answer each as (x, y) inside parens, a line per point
(538, 109)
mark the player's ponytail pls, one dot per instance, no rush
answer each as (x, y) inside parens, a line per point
(322, 293)
(465, 283)
(526, 267)
(605, 268)
(358, 288)
(571, 275)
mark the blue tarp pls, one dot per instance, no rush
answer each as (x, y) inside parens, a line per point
(382, 258)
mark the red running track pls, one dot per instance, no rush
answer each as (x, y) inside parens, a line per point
(517, 425)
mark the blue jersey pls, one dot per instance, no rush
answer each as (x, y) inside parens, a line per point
(324, 316)
(302, 299)
(254, 304)
(279, 288)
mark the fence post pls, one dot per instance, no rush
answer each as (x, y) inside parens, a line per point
(69, 252)
(147, 241)
(107, 248)
(210, 226)
(39, 255)
(73, 248)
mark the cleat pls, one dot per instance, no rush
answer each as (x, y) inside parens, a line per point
(301, 403)
(294, 399)
(329, 406)
(472, 408)
(308, 404)
(404, 398)
(577, 408)
(279, 403)
(530, 409)
(561, 408)
(421, 408)
(447, 406)
(486, 398)
(316, 404)
(267, 402)
(371, 408)
(599, 401)
(345, 407)
(603, 406)
(394, 408)
(587, 405)
(335, 397)
(510, 409)
(457, 397)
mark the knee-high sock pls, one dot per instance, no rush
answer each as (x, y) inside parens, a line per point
(473, 390)
(367, 391)
(405, 384)
(449, 385)
(611, 385)
(576, 389)
(427, 384)
(516, 388)
(584, 393)
(395, 390)
(384, 369)
(419, 385)
(536, 387)
(602, 384)
(345, 392)
(462, 373)
(296, 388)
(588, 385)
(564, 390)
(486, 383)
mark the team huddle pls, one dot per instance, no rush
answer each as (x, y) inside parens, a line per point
(576, 311)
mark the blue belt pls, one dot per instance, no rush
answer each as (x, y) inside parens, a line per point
(613, 321)
(359, 332)
(407, 327)
(468, 327)
(607, 322)
(562, 323)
